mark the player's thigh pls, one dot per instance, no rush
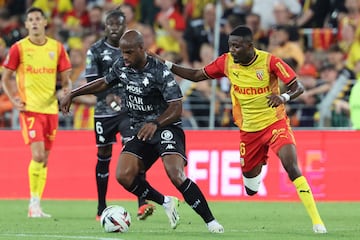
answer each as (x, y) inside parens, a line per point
(143, 150)
(39, 131)
(50, 130)
(170, 140)
(253, 153)
(124, 127)
(32, 125)
(105, 130)
(280, 135)
(128, 165)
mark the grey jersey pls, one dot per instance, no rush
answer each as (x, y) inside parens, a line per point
(100, 57)
(148, 91)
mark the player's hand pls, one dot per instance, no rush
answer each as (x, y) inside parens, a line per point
(18, 104)
(62, 92)
(147, 131)
(65, 103)
(275, 100)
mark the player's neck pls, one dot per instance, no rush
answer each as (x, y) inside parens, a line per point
(114, 44)
(250, 60)
(38, 40)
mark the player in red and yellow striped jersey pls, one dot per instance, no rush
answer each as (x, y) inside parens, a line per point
(259, 111)
(37, 60)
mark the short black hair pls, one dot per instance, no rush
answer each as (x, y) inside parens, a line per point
(115, 13)
(242, 31)
(35, 9)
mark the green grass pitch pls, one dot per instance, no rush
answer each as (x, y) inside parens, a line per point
(241, 220)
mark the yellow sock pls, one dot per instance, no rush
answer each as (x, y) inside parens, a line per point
(35, 169)
(42, 181)
(305, 195)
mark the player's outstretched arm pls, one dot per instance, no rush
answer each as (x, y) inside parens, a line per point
(96, 86)
(192, 74)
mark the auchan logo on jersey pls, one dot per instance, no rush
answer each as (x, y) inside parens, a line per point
(251, 90)
(40, 70)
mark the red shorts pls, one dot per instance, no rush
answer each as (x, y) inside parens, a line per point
(254, 146)
(39, 127)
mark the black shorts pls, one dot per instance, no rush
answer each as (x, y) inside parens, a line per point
(166, 140)
(106, 128)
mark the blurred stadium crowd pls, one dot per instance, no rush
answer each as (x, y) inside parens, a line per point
(319, 39)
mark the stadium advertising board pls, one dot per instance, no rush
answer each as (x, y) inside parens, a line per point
(329, 160)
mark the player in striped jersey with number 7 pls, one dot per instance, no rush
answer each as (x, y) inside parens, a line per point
(37, 59)
(259, 111)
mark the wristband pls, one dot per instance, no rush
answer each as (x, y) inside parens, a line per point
(155, 122)
(285, 96)
(168, 64)
(115, 106)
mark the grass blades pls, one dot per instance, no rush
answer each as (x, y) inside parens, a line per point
(241, 220)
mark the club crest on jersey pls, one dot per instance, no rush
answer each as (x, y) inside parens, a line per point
(51, 55)
(242, 161)
(260, 74)
(32, 133)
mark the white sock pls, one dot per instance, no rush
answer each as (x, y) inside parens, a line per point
(34, 201)
(166, 200)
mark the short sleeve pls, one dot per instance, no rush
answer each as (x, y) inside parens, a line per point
(216, 69)
(64, 60)
(91, 69)
(281, 69)
(12, 60)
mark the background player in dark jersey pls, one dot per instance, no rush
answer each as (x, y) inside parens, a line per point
(259, 111)
(154, 101)
(109, 122)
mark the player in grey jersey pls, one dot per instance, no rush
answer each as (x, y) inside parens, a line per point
(154, 102)
(109, 122)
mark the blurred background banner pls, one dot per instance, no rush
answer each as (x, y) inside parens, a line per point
(329, 159)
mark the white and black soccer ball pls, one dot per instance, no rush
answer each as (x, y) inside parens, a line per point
(115, 219)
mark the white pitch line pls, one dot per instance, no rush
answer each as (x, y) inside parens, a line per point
(55, 236)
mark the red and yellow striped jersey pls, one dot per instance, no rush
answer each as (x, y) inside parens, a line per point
(36, 69)
(250, 85)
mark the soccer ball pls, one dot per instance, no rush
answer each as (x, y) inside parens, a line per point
(115, 219)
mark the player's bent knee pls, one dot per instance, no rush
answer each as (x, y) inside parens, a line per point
(176, 176)
(124, 180)
(252, 184)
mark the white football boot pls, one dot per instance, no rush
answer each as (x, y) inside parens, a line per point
(35, 210)
(319, 228)
(215, 227)
(170, 205)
